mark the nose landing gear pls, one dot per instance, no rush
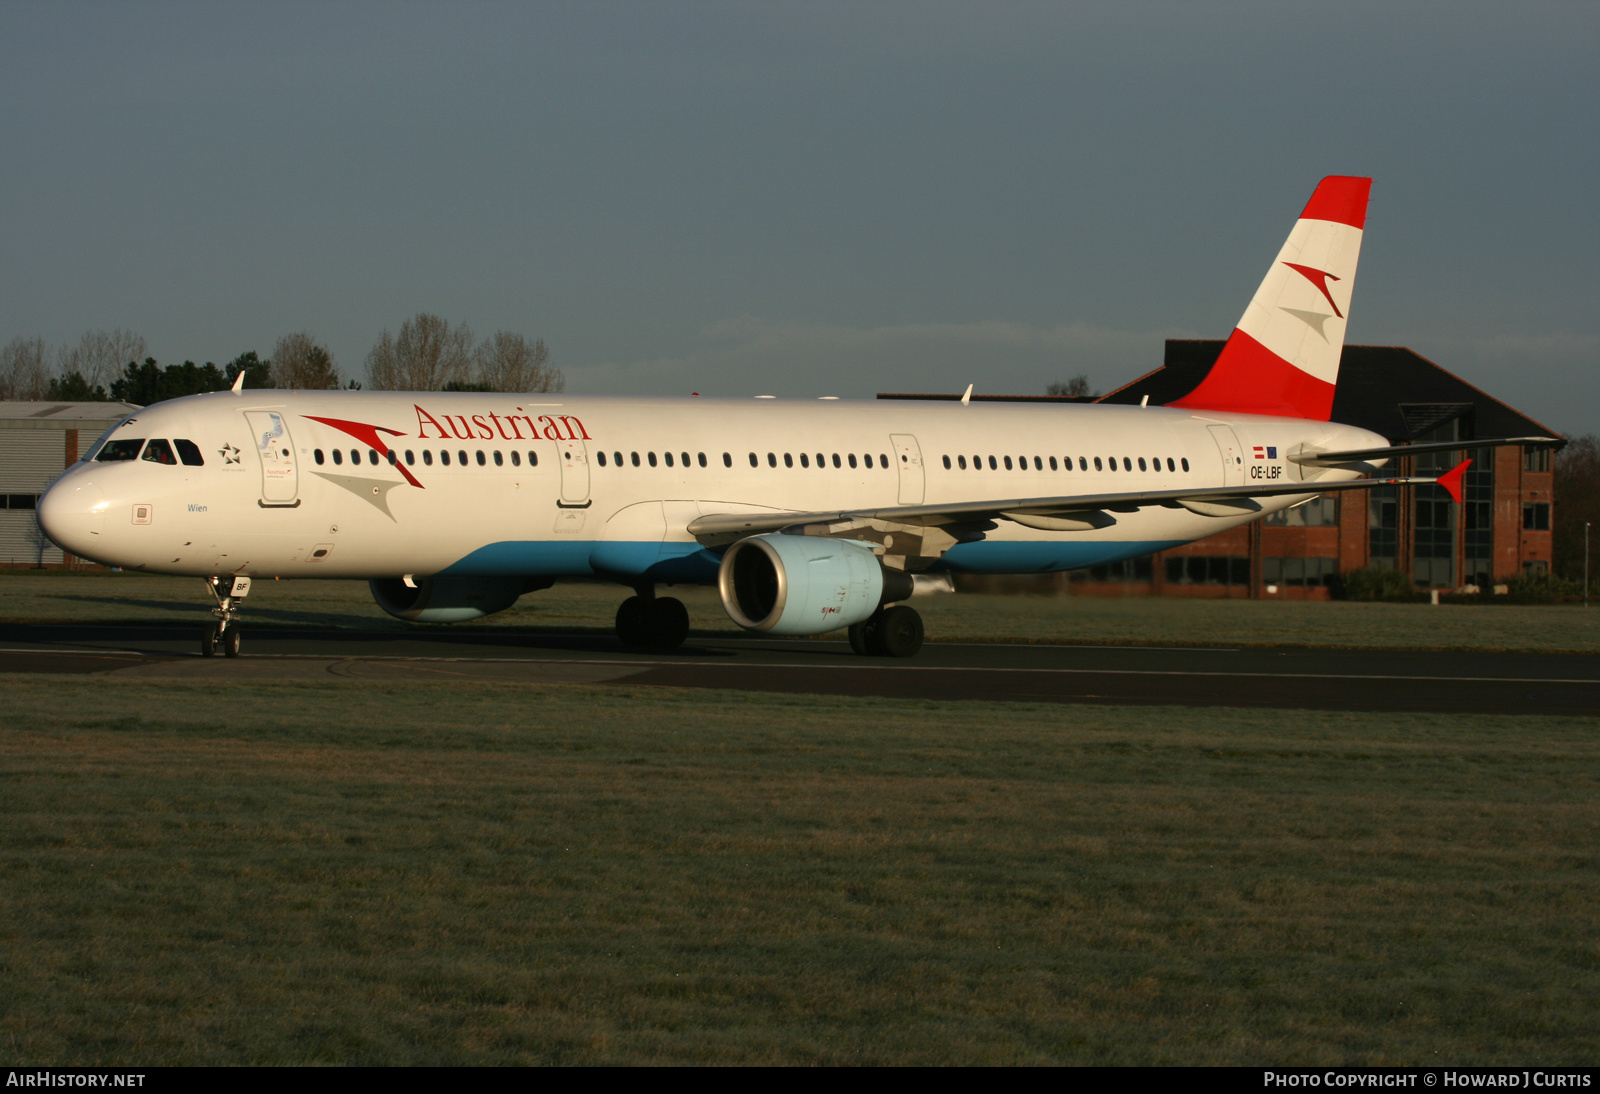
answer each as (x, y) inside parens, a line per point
(223, 635)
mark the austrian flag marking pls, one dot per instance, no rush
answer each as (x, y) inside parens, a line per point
(1268, 452)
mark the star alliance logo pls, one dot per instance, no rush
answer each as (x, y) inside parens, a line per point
(229, 453)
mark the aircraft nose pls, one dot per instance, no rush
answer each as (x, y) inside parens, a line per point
(73, 514)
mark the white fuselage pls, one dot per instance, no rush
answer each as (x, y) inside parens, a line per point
(302, 484)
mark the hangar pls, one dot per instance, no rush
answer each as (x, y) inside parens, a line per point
(38, 440)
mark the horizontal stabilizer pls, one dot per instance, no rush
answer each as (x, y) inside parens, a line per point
(1369, 455)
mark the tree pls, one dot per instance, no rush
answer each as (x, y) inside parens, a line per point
(509, 362)
(257, 373)
(300, 361)
(99, 356)
(1077, 388)
(428, 354)
(73, 388)
(1577, 499)
(148, 382)
(23, 376)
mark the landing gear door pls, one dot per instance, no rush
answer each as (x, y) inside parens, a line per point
(275, 449)
(1232, 454)
(574, 459)
(908, 458)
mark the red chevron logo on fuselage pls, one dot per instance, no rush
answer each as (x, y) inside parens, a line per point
(368, 435)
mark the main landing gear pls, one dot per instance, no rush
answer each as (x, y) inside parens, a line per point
(890, 632)
(223, 635)
(648, 621)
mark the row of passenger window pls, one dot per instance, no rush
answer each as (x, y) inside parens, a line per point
(848, 459)
(995, 463)
(484, 458)
(156, 451)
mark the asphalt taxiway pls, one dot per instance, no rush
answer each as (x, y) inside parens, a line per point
(1315, 679)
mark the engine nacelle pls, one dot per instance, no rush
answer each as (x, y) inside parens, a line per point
(785, 584)
(446, 599)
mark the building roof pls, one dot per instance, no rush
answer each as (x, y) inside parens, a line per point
(60, 416)
(1388, 389)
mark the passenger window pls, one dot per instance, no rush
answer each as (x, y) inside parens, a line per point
(668, 457)
(189, 453)
(1052, 463)
(1083, 464)
(392, 456)
(355, 455)
(853, 461)
(427, 457)
(1008, 462)
(1170, 466)
(1113, 462)
(482, 462)
(1038, 464)
(772, 460)
(462, 454)
(836, 462)
(338, 458)
(686, 459)
(372, 456)
(411, 457)
(1185, 463)
(993, 465)
(753, 461)
(702, 459)
(961, 462)
(1141, 463)
(601, 457)
(946, 462)
(1097, 466)
(444, 457)
(822, 461)
(1127, 464)
(317, 455)
(883, 461)
(788, 459)
(500, 461)
(618, 457)
(650, 457)
(116, 451)
(159, 451)
(727, 459)
(516, 458)
(805, 460)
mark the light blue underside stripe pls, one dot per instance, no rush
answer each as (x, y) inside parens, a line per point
(691, 564)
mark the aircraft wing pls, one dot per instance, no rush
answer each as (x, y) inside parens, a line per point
(1070, 512)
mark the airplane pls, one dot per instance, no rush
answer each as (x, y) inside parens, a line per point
(809, 516)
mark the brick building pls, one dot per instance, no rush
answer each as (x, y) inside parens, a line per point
(1502, 527)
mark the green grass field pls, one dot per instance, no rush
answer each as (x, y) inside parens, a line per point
(139, 598)
(371, 873)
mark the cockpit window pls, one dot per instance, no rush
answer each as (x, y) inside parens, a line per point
(189, 452)
(120, 450)
(159, 451)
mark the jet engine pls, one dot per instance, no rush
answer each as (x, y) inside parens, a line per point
(448, 599)
(784, 584)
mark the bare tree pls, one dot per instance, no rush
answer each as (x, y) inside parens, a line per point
(23, 376)
(100, 356)
(300, 361)
(1077, 387)
(509, 362)
(428, 354)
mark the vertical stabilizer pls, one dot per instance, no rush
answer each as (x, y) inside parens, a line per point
(1283, 357)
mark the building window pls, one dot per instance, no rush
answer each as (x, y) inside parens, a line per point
(1383, 526)
(1320, 512)
(1478, 520)
(1537, 567)
(1536, 459)
(1299, 572)
(1536, 516)
(1208, 570)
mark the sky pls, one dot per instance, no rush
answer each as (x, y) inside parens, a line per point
(802, 199)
